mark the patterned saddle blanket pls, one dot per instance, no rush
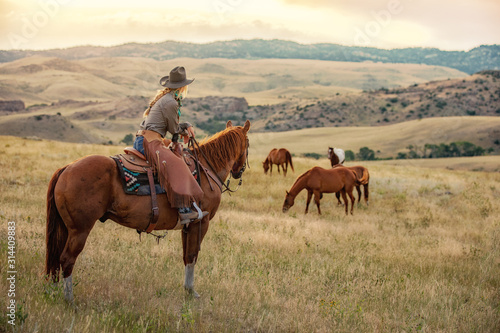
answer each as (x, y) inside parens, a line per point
(135, 182)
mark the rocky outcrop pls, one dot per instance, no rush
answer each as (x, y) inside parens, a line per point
(218, 106)
(12, 106)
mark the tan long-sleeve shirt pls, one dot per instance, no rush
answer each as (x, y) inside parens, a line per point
(163, 116)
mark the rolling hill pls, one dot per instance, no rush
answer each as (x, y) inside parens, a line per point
(480, 58)
(38, 80)
(101, 100)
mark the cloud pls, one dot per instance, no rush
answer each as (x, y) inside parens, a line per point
(447, 24)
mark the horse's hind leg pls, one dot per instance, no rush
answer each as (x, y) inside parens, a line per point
(344, 197)
(358, 189)
(353, 199)
(192, 236)
(74, 246)
(366, 193)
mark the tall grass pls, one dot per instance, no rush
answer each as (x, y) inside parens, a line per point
(424, 256)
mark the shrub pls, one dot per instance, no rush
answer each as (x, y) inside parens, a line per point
(349, 155)
(128, 139)
(366, 154)
(316, 156)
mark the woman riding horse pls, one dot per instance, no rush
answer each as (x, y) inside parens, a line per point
(91, 189)
(160, 117)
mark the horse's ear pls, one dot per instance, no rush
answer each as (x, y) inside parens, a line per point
(246, 127)
(287, 192)
(229, 124)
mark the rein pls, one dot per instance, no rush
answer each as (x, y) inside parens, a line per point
(193, 143)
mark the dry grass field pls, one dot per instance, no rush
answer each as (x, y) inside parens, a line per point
(423, 257)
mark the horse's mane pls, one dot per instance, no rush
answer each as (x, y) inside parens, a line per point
(297, 181)
(222, 146)
(301, 176)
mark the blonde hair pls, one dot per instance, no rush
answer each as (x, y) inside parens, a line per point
(181, 93)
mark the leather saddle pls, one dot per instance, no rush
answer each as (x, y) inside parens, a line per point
(134, 160)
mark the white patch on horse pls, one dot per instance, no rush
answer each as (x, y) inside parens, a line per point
(340, 154)
(189, 279)
(68, 288)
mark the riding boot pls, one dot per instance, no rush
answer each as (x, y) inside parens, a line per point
(187, 215)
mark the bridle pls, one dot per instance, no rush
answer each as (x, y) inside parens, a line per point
(193, 143)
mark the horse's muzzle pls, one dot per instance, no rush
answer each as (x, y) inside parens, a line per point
(237, 175)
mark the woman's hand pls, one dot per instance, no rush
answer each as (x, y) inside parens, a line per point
(190, 134)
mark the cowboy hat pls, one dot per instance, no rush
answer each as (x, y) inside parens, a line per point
(176, 79)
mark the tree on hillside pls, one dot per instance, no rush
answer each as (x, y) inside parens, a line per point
(466, 148)
(366, 154)
(128, 139)
(349, 155)
(454, 149)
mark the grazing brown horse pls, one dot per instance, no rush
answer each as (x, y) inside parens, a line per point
(90, 188)
(281, 157)
(363, 178)
(336, 156)
(318, 181)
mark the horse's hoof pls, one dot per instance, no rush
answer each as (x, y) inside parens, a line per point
(192, 293)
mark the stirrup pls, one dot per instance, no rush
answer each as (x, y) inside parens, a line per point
(194, 218)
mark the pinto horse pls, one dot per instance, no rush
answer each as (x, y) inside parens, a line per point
(281, 157)
(336, 156)
(90, 189)
(363, 178)
(318, 181)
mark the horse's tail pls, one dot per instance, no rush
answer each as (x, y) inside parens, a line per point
(56, 232)
(365, 177)
(289, 159)
(364, 181)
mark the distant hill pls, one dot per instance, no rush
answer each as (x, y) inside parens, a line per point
(480, 58)
(476, 95)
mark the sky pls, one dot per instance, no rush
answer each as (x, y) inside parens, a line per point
(388, 24)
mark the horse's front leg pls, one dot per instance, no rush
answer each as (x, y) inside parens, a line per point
(309, 196)
(192, 236)
(337, 195)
